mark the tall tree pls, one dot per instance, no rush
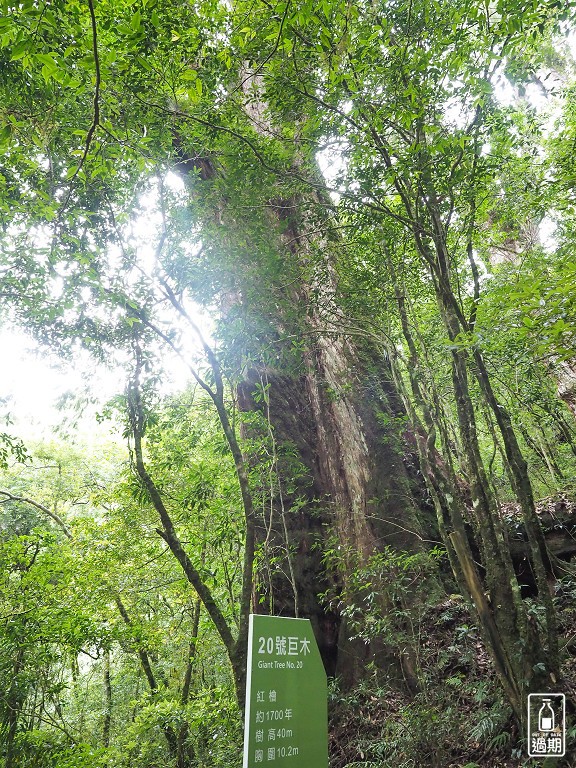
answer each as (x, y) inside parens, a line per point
(342, 403)
(240, 102)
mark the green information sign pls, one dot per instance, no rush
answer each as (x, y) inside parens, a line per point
(286, 698)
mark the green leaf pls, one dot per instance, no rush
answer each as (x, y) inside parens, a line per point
(190, 74)
(144, 63)
(49, 66)
(136, 22)
(20, 49)
(47, 59)
(46, 73)
(5, 134)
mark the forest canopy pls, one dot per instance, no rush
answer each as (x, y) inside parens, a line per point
(352, 225)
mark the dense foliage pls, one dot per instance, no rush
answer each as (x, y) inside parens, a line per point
(353, 224)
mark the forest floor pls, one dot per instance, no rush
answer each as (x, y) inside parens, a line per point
(458, 718)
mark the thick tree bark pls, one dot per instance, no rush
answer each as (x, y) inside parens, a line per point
(340, 411)
(333, 406)
(565, 373)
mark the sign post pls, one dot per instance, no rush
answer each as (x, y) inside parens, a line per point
(286, 722)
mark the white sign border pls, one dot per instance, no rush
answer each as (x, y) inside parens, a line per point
(248, 690)
(548, 695)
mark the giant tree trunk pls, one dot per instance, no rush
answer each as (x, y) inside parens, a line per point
(334, 486)
(328, 404)
(352, 497)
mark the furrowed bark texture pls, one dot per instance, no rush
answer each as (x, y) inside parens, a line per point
(335, 406)
(330, 405)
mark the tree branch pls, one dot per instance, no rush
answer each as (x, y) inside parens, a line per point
(41, 507)
(96, 98)
(168, 532)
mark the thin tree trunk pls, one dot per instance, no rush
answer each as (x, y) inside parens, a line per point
(236, 649)
(169, 733)
(191, 654)
(447, 499)
(186, 752)
(142, 655)
(522, 486)
(13, 709)
(513, 624)
(107, 698)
